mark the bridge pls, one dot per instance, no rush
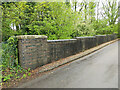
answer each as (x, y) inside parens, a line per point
(96, 70)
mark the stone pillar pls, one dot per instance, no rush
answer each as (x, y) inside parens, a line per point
(108, 37)
(32, 50)
(80, 44)
(90, 42)
(101, 39)
(115, 36)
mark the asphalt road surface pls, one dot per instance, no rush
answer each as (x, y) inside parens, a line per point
(97, 70)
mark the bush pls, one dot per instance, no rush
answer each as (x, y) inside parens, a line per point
(10, 65)
(10, 53)
(108, 29)
(84, 29)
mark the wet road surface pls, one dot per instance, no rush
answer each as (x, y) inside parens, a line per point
(97, 70)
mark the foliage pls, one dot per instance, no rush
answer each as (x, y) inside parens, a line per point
(57, 20)
(14, 73)
(110, 11)
(10, 66)
(84, 29)
(9, 53)
(108, 30)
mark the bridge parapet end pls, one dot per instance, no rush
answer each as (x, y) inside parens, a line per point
(32, 50)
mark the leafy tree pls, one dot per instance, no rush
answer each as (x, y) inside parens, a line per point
(91, 11)
(57, 20)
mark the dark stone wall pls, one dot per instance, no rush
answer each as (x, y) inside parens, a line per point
(58, 49)
(84, 43)
(111, 37)
(80, 44)
(90, 42)
(36, 50)
(101, 39)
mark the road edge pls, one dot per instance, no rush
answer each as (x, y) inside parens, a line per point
(69, 59)
(56, 64)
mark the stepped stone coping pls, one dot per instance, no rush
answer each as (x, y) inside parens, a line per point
(61, 40)
(30, 36)
(86, 37)
(101, 35)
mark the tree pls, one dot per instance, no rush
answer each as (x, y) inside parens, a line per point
(91, 11)
(57, 20)
(0, 22)
(84, 5)
(68, 3)
(110, 11)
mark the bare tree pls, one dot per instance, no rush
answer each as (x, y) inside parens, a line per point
(110, 11)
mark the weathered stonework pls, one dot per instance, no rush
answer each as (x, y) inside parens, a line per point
(36, 50)
(32, 50)
(101, 39)
(58, 49)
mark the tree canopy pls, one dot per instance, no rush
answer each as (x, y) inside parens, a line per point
(58, 20)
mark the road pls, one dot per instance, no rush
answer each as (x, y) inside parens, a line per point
(97, 70)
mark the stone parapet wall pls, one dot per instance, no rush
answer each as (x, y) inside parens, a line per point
(61, 48)
(101, 39)
(36, 50)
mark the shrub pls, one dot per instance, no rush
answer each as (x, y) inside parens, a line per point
(10, 53)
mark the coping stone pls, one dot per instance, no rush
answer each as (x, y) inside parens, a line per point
(30, 36)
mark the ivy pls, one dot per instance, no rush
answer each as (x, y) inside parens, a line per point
(10, 66)
(10, 53)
